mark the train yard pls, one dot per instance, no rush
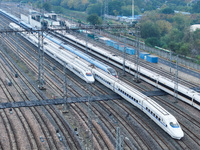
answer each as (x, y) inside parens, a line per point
(51, 127)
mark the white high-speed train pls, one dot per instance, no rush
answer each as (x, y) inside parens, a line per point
(186, 94)
(60, 55)
(157, 113)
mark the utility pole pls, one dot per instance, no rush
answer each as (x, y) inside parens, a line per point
(41, 61)
(105, 10)
(86, 39)
(132, 11)
(119, 140)
(170, 61)
(65, 82)
(18, 58)
(137, 63)
(124, 57)
(41, 56)
(90, 125)
(65, 106)
(176, 82)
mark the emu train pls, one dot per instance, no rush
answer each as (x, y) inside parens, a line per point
(186, 94)
(82, 71)
(157, 113)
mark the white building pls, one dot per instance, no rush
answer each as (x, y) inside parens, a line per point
(194, 27)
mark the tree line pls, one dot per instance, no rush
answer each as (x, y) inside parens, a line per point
(160, 25)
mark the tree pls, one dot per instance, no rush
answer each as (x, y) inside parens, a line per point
(184, 49)
(56, 2)
(167, 11)
(152, 41)
(94, 9)
(196, 38)
(164, 27)
(65, 4)
(58, 9)
(126, 10)
(94, 19)
(149, 29)
(181, 21)
(47, 6)
(114, 7)
(196, 7)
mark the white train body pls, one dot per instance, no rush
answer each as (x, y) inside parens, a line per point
(157, 113)
(186, 94)
(53, 50)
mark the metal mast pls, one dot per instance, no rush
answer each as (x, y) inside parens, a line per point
(137, 63)
(41, 60)
(65, 82)
(65, 106)
(41, 56)
(132, 10)
(176, 82)
(105, 9)
(119, 140)
(90, 116)
(124, 57)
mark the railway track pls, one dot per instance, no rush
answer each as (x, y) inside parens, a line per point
(139, 141)
(27, 61)
(143, 63)
(125, 125)
(52, 142)
(154, 67)
(189, 122)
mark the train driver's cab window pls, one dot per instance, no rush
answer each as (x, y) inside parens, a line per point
(174, 124)
(88, 74)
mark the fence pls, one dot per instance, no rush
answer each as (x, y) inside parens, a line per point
(164, 54)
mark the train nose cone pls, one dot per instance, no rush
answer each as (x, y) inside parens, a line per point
(178, 134)
(90, 80)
